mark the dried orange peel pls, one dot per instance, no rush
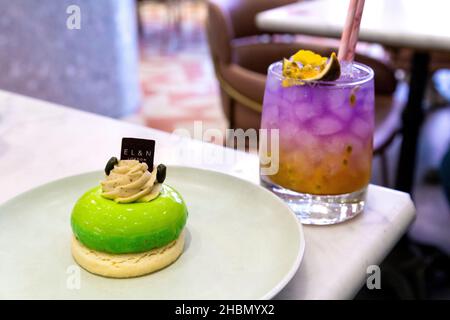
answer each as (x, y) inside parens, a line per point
(306, 65)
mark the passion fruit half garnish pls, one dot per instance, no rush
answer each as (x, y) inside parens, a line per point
(291, 69)
(309, 66)
(331, 71)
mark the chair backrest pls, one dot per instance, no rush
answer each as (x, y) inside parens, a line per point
(232, 19)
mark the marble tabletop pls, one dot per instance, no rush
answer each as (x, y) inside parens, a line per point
(41, 142)
(416, 24)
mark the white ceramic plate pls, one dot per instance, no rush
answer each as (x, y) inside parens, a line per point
(242, 243)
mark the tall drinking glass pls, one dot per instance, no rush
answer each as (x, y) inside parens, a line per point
(325, 142)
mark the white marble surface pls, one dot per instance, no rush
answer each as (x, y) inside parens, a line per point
(399, 23)
(40, 142)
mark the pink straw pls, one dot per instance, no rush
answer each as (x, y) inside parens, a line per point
(351, 31)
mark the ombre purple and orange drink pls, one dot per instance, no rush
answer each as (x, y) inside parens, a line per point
(325, 142)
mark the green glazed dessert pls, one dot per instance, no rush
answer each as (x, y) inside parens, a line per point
(130, 225)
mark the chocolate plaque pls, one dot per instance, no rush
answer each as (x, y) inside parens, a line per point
(142, 150)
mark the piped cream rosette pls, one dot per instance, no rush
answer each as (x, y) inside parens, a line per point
(131, 181)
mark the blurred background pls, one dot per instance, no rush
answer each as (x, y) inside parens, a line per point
(167, 63)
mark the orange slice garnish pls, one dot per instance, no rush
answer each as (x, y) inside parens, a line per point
(308, 66)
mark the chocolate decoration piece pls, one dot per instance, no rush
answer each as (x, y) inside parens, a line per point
(110, 165)
(142, 150)
(161, 173)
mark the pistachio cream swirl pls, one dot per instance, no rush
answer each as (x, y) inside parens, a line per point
(131, 181)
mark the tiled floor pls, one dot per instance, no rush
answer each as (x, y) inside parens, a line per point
(177, 77)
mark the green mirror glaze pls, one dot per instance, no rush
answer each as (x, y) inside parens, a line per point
(104, 225)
